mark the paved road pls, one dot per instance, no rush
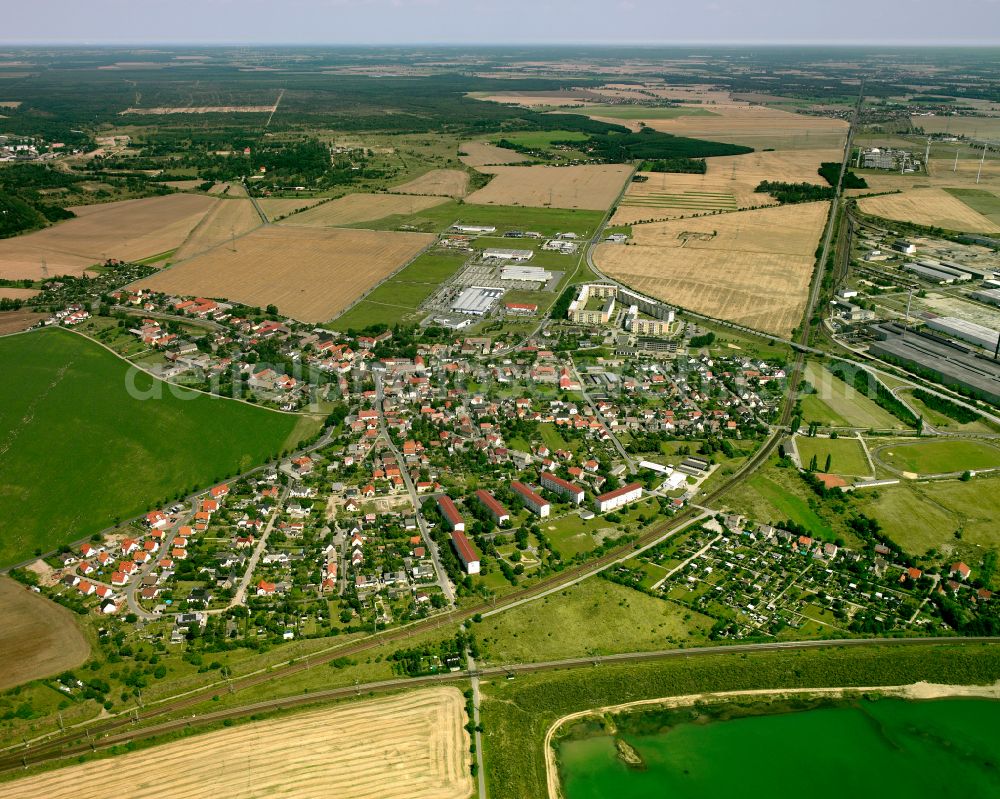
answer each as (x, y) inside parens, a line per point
(240, 597)
(425, 533)
(604, 422)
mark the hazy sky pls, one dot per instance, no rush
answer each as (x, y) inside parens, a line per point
(507, 21)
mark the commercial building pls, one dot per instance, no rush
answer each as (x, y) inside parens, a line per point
(530, 274)
(564, 488)
(452, 517)
(503, 254)
(521, 308)
(991, 296)
(474, 229)
(559, 245)
(929, 274)
(618, 497)
(466, 552)
(497, 511)
(956, 271)
(476, 300)
(532, 501)
(966, 331)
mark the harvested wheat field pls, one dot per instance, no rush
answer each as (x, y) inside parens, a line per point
(932, 207)
(355, 208)
(16, 321)
(310, 274)
(593, 188)
(129, 230)
(229, 218)
(974, 127)
(758, 127)
(481, 153)
(277, 207)
(234, 189)
(442, 182)
(9, 293)
(749, 267)
(410, 746)
(183, 185)
(38, 638)
(728, 185)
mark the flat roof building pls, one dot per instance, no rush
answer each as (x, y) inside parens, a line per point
(618, 497)
(476, 300)
(532, 500)
(530, 274)
(966, 331)
(504, 254)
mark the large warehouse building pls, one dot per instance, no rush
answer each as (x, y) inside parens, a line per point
(476, 300)
(966, 331)
(531, 274)
(503, 254)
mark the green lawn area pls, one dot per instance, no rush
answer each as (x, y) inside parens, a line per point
(541, 139)
(78, 450)
(984, 202)
(942, 508)
(837, 404)
(645, 112)
(935, 457)
(942, 422)
(773, 495)
(593, 617)
(554, 440)
(571, 535)
(401, 295)
(846, 454)
(547, 221)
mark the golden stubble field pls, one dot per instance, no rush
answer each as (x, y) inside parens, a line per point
(481, 153)
(229, 218)
(410, 746)
(311, 274)
(931, 207)
(592, 187)
(749, 267)
(441, 182)
(356, 208)
(129, 230)
(275, 207)
(38, 638)
(728, 185)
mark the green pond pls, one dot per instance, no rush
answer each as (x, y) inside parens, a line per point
(885, 748)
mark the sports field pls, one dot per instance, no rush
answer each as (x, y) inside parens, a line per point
(940, 457)
(838, 405)
(847, 456)
(311, 274)
(129, 230)
(355, 208)
(932, 207)
(79, 448)
(750, 267)
(942, 507)
(38, 638)
(589, 187)
(410, 746)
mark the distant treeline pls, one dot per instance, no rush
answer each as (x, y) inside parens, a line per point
(23, 206)
(651, 145)
(952, 410)
(795, 192)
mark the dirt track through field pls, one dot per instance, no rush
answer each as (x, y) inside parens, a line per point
(38, 638)
(410, 746)
(749, 267)
(310, 274)
(228, 219)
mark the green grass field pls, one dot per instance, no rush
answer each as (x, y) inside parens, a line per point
(984, 202)
(941, 457)
(645, 112)
(396, 299)
(541, 139)
(547, 221)
(77, 450)
(595, 617)
(942, 507)
(942, 422)
(837, 404)
(846, 454)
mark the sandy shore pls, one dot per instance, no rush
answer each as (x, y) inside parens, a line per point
(918, 690)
